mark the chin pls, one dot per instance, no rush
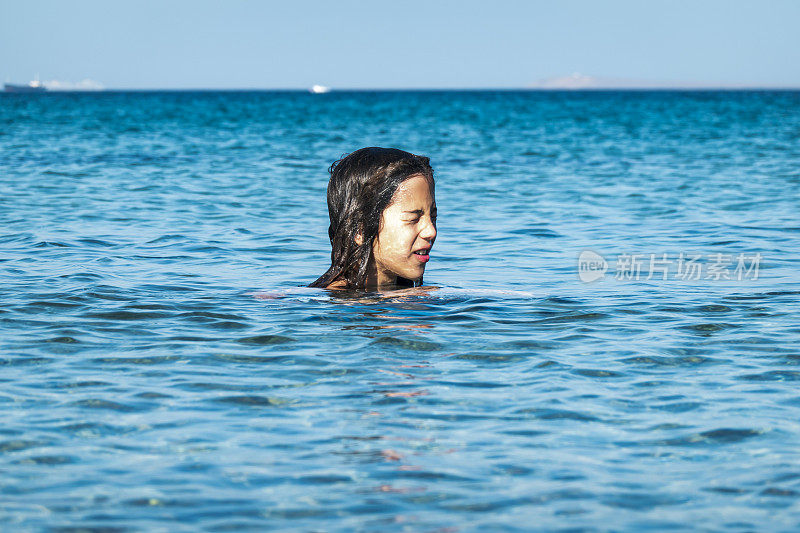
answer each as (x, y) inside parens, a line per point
(413, 276)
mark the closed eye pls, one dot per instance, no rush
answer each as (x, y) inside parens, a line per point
(419, 213)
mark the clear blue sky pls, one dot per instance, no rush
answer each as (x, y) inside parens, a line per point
(406, 44)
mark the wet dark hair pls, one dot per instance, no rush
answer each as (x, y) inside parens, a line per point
(360, 189)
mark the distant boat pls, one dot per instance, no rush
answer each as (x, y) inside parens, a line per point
(319, 89)
(34, 86)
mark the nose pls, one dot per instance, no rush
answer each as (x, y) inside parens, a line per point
(429, 231)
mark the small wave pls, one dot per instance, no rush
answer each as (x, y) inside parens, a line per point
(253, 401)
(125, 315)
(98, 403)
(712, 437)
(407, 344)
(20, 445)
(265, 340)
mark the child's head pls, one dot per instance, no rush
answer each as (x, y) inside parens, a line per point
(382, 210)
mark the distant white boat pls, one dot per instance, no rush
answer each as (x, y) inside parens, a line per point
(34, 86)
(319, 89)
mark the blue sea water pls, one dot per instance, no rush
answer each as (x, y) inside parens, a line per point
(161, 371)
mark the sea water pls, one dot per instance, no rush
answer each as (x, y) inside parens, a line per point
(610, 342)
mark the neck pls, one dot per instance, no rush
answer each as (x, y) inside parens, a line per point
(377, 278)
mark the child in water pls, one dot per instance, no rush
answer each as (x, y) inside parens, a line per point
(382, 213)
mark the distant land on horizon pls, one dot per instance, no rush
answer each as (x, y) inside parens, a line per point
(578, 81)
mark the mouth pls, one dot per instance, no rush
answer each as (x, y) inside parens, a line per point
(423, 254)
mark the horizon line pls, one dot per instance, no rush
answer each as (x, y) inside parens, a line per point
(409, 89)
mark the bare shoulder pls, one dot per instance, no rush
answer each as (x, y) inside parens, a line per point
(411, 291)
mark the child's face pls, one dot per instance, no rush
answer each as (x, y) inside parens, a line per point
(407, 225)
